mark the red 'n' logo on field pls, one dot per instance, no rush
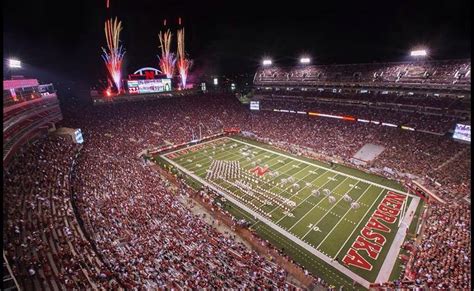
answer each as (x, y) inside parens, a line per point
(259, 170)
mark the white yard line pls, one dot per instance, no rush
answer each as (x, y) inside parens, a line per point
(204, 157)
(342, 218)
(339, 184)
(279, 229)
(189, 147)
(264, 182)
(244, 163)
(329, 211)
(360, 221)
(391, 258)
(232, 154)
(284, 190)
(206, 142)
(330, 170)
(296, 193)
(324, 184)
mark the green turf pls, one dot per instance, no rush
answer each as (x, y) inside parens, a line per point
(330, 228)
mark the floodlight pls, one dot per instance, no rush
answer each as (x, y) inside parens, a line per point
(267, 62)
(215, 81)
(12, 63)
(305, 60)
(418, 53)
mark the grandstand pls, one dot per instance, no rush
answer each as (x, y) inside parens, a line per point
(431, 97)
(29, 109)
(448, 75)
(143, 202)
(211, 145)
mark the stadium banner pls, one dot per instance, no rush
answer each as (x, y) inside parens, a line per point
(407, 128)
(389, 124)
(388, 170)
(248, 134)
(350, 118)
(430, 132)
(232, 130)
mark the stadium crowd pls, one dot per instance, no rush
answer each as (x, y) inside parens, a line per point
(415, 153)
(42, 238)
(430, 72)
(136, 127)
(381, 97)
(443, 259)
(433, 123)
(144, 235)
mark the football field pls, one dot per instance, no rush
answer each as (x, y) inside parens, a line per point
(347, 224)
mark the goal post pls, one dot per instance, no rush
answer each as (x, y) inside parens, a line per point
(404, 209)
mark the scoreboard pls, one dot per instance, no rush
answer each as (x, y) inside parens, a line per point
(149, 86)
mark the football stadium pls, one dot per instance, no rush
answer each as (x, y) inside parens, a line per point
(216, 165)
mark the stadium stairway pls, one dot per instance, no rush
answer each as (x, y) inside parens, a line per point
(8, 282)
(457, 155)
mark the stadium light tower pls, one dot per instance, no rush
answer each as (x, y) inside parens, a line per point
(14, 64)
(267, 62)
(418, 53)
(305, 60)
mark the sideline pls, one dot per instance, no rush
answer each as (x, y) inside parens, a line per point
(392, 255)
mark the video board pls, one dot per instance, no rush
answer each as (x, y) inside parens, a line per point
(148, 86)
(254, 105)
(462, 132)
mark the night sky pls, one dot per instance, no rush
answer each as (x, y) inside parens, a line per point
(61, 40)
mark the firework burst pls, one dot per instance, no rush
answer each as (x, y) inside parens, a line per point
(167, 59)
(114, 56)
(183, 64)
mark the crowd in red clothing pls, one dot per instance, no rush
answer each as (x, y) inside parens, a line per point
(446, 72)
(149, 239)
(182, 119)
(376, 97)
(419, 120)
(145, 236)
(42, 238)
(443, 259)
(139, 126)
